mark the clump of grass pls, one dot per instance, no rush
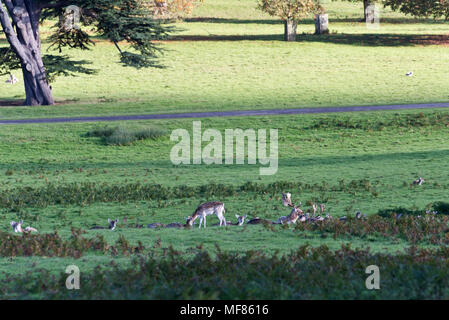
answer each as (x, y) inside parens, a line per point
(122, 136)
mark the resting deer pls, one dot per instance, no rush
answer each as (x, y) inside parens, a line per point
(295, 214)
(419, 181)
(240, 221)
(258, 220)
(12, 79)
(17, 226)
(207, 209)
(112, 225)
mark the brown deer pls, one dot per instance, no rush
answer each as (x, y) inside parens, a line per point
(296, 212)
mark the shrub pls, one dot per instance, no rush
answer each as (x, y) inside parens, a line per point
(306, 273)
(122, 136)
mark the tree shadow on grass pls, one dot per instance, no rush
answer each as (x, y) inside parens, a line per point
(308, 21)
(374, 40)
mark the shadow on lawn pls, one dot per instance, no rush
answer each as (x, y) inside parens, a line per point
(377, 40)
(308, 21)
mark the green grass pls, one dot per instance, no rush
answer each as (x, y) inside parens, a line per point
(235, 60)
(230, 56)
(390, 157)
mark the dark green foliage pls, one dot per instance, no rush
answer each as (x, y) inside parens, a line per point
(417, 120)
(121, 136)
(441, 207)
(306, 273)
(427, 228)
(421, 8)
(116, 20)
(86, 193)
(52, 245)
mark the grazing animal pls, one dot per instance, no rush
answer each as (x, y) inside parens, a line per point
(12, 79)
(419, 181)
(17, 226)
(207, 209)
(409, 74)
(112, 225)
(344, 218)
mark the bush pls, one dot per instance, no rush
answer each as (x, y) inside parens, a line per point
(306, 273)
(122, 136)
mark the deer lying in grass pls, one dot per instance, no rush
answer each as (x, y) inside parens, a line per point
(207, 209)
(17, 227)
(296, 212)
(12, 79)
(258, 220)
(189, 223)
(419, 181)
(112, 225)
(240, 221)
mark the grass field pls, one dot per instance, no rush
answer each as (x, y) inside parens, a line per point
(230, 56)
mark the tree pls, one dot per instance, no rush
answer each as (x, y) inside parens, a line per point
(116, 20)
(172, 9)
(421, 8)
(290, 11)
(366, 5)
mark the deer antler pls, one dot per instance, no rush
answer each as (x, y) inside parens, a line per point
(322, 206)
(287, 200)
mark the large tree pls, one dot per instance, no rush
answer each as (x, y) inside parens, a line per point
(115, 20)
(366, 4)
(421, 8)
(290, 11)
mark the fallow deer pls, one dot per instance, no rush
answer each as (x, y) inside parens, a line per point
(296, 212)
(112, 225)
(207, 209)
(419, 181)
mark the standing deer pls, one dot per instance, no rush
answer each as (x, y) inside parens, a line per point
(207, 209)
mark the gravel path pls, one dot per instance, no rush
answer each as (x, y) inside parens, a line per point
(243, 113)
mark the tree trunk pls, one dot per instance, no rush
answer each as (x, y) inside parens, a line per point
(367, 17)
(321, 24)
(290, 27)
(24, 37)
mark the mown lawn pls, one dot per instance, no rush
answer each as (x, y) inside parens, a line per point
(230, 56)
(364, 161)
